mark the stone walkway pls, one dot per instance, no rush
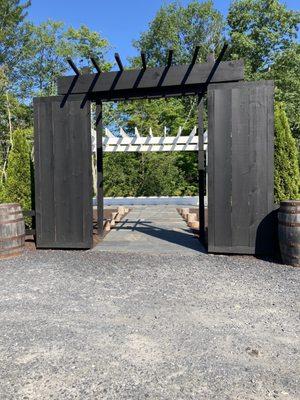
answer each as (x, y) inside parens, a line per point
(152, 229)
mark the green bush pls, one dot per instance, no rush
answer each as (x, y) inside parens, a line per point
(17, 186)
(287, 177)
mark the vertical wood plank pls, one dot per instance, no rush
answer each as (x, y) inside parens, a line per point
(201, 171)
(63, 173)
(61, 170)
(44, 164)
(251, 163)
(219, 166)
(100, 189)
(210, 170)
(86, 176)
(241, 167)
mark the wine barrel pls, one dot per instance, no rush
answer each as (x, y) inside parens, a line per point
(289, 232)
(12, 230)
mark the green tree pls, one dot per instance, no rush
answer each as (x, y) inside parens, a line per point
(144, 174)
(155, 114)
(17, 186)
(287, 178)
(121, 174)
(264, 34)
(182, 28)
(13, 114)
(159, 175)
(12, 34)
(286, 73)
(46, 50)
(259, 30)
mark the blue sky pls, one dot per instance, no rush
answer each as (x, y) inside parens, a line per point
(119, 21)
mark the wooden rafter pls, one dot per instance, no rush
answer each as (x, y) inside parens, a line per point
(137, 143)
(171, 80)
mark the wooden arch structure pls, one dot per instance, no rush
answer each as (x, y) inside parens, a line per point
(240, 169)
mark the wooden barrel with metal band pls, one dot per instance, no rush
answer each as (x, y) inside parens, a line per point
(289, 232)
(12, 230)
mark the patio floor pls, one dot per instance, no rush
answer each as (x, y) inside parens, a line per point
(152, 229)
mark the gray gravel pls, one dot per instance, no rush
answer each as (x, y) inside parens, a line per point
(87, 325)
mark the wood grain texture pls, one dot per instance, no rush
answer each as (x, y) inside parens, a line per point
(12, 230)
(63, 177)
(219, 168)
(100, 188)
(241, 159)
(289, 232)
(153, 81)
(201, 172)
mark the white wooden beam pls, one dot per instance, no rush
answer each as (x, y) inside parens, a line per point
(136, 132)
(108, 133)
(123, 133)
(150, 143)
(179, 132)
(150, 148)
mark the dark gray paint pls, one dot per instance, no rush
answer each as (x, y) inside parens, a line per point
(241, 158)
(100, 188)
(63, 177)
(159, 81)
(201, 171)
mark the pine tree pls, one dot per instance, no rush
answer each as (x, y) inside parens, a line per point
(287, 178)
(17, 187)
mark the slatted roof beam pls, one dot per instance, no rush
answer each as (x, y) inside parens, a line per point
(108, 133)
(170, 57)
(73, 66)
(136, 132)
(123, 134)
(179, 132)
(96, 65)
(144, 61)
(119, 62)
(195, 55)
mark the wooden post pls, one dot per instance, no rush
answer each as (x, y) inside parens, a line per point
(201, 170)
(100, 192)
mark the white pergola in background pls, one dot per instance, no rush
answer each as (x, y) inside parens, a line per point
(137, 143)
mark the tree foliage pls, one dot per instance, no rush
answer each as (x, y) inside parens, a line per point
(144, 174)
(47, 48)
(18, 184)
(287, 178)
(182, 28)
(286, 72)
(263, 32)
(12, 34)
(261, 29)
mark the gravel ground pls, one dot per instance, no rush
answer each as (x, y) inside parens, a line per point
(84, 325)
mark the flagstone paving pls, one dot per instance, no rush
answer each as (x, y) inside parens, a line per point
(152, 229)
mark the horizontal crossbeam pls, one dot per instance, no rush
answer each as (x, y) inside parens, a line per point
(137, 143)
(150, 148)
(172, 80)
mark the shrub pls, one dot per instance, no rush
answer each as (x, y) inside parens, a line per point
(287, 177)
(17, 187)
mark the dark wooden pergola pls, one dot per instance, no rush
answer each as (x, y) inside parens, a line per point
(68, 124)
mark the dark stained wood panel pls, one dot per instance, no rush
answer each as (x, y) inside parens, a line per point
(241, 159)
(63, 178)
(219, 168)
(156, 81)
